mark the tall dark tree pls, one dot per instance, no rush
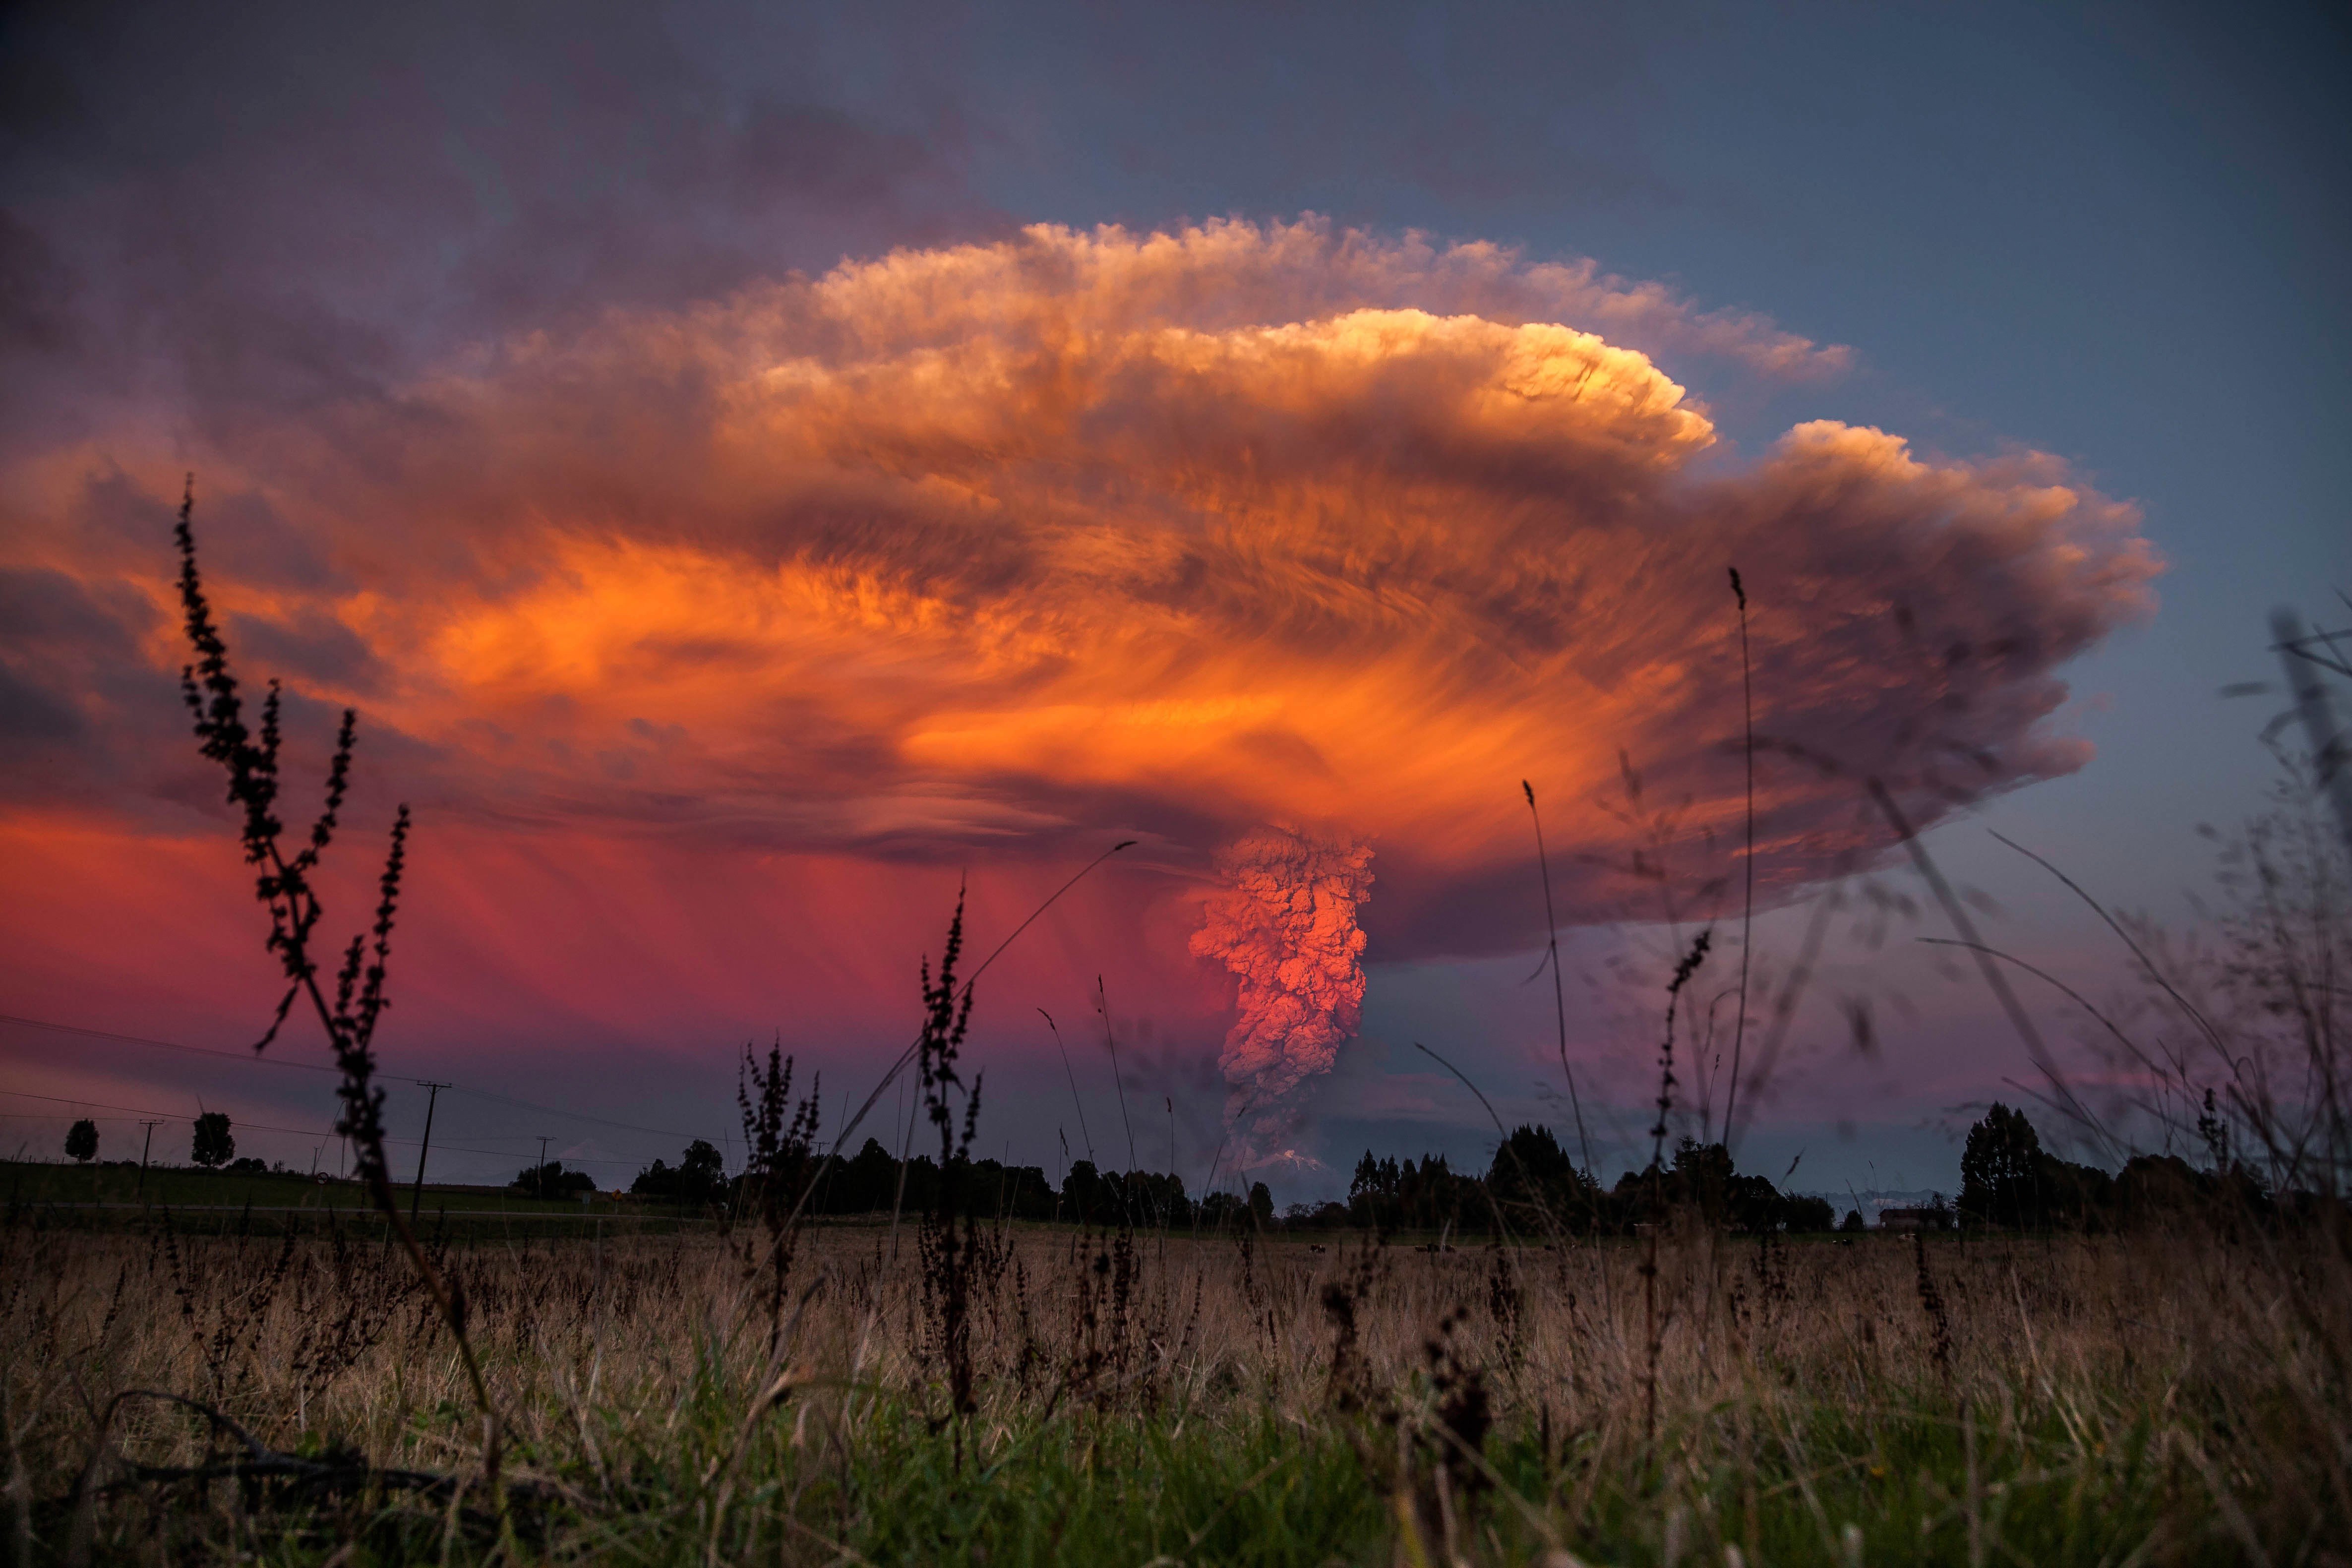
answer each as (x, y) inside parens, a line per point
(2001, 1170)
(551, 1181)
(1532, 1172)
(1701, 1178)
(212, 1147)
(700, 1177)
(1086, 1197)
(81, 1141)
(702, 1171)
(1807, 1215)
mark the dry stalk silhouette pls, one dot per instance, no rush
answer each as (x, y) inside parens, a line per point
(286, 887)
(1653, 1330)
(1747, 857)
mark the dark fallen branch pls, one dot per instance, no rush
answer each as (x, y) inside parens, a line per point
(342, 1473)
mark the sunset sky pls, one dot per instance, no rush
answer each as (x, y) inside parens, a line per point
(755, 473)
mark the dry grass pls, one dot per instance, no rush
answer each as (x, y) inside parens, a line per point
(2103, 1399)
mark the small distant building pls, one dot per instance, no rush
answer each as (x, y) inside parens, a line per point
(1905, 1219)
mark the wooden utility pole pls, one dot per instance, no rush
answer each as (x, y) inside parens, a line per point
(425, 1148)
(146, 1144)
(542, 1166)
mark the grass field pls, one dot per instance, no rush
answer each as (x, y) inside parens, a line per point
(1141, 1399)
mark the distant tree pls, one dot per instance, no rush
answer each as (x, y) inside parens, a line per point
(249, 1166)
(1853, 1224)
(551, 1181)
(1806, 1214)
(1373, 1194)
(700, 1176)
(81, 1141)
(1086, 1196)
(212, 1147)
(865, 1184)
(2158, 1187)
(1220, 1209)
(1532, 1172)
(702, 1167)
(1261, 1205)
(1419, 1195)
(2001, 1170)
(1702, 1177)
(2072, 1194)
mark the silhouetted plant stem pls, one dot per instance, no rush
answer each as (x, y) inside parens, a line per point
(1535, 1190)
(1111, 1044)
(907, 1057)
(2019, 1019)
(1558, 994)
(1747, 906)
(209, 687)
(1682, 973)
(777, 1138)
(949, 1259)
(2147, 964)
(1218, 1159)
(1072, 1073)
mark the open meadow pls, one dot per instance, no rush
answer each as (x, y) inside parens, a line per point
(1133, 1397)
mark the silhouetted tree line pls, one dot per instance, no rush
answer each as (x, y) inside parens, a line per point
(869, 1182)
(551, 1181)
(2007, 1180)
(1532, 1186)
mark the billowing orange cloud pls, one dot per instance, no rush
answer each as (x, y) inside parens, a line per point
(1012, 547)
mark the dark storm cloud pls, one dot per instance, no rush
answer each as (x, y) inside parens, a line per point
(75, 685)
(265, 207)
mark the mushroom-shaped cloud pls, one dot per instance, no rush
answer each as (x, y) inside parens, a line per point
(1179, 535)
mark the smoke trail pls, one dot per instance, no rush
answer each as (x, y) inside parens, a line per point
(1286, 924)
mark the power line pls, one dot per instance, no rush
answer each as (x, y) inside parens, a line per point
(573, 1115)
(277, 1061)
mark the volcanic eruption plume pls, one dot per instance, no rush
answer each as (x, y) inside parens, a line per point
(995, 553)
(1285, 924)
